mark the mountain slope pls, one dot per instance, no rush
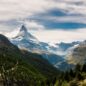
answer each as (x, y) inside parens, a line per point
(25, 40)
(18, 67)
(77, 54)
(39, 63)
(12, 68)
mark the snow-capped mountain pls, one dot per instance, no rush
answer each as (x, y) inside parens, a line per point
(53, 53)
(25, 40)
(59, 48)
(23, 34)
(63, 48)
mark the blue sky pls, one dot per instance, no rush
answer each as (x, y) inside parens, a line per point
(45, 19)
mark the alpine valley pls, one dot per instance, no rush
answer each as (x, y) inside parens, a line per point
(26, 61)
(55, 54)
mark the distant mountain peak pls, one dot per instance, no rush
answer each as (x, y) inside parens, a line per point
(24, 35)
(23, 28)
(23, 31)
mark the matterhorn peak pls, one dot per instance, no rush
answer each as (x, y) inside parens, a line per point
(23, 31)
(23, 34)
(23, 28)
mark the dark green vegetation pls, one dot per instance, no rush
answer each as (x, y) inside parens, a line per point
(40, 64)
(73, 77)
(21, 68)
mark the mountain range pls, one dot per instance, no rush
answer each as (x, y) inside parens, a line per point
(55, 54)
(24, 60)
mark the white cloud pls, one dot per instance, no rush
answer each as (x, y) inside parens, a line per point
(33, 25)
(21, 9)
(4, 27)
(60, 35)
(14, 9)
(53, 36)
(11, 9)
(11, 34)
(75, 19)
